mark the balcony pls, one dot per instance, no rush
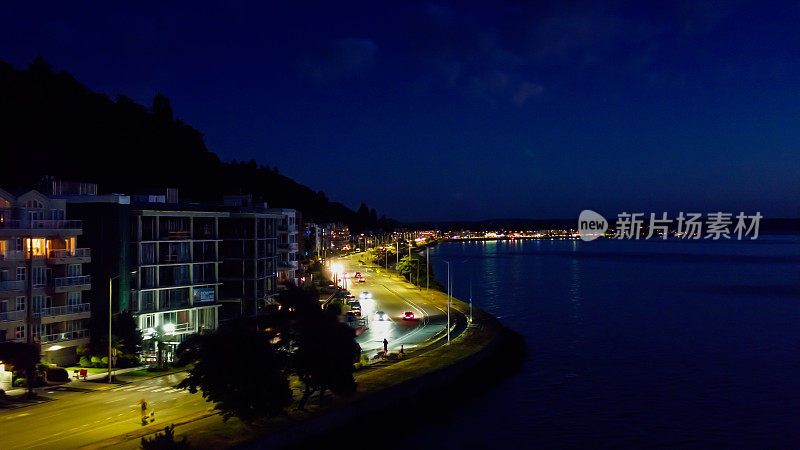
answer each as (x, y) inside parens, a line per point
(289, 246)
(12, 285)
(64, 284)
(14, 227)
(288, 264)
(12, 316)
(64, 310)
(77, 256)
(12, 255)
(61, 337)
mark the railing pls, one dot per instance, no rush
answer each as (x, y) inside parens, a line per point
(63, 310)
(72, 281)
(56, 224)
(11, 316)
(288, 264)
(68, 336)
(11, 285)
(182, 328)
(12, 255)
(291, 246)
(41, 224)
(77, 253)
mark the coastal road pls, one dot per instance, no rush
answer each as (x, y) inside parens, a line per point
(77, 416)
(392, 295)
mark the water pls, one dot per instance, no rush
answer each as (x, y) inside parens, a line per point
(635, 343)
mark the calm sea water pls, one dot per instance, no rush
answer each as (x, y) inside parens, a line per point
(635, 343)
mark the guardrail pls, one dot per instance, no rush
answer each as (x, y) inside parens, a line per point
(11, 285)
(11, 316)
(12, 255)
(68, 336)
(63, 310)
(72, 281)
(41, 224)
(77, 253)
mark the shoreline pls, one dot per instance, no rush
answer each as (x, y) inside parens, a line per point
(484, 350)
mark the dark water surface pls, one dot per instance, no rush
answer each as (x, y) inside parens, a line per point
(634, 343)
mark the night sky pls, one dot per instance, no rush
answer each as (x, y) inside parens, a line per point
(465, 110)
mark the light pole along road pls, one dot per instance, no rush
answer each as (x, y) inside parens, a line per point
(393, 295)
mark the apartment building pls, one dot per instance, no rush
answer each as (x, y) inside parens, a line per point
(249, 258)
(43, 286)
(287, 246)
(174, 262)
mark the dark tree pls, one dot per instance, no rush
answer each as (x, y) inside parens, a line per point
(165, 441)
(125, 329)
(321, 350)
(23, 357)
(237, 369)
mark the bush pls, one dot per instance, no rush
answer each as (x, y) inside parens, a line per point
(19, 383)
(128, 360)
(85, 362)
(57, 374)
(165, 440)
(96, 362)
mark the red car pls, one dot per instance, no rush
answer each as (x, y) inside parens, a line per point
(408, 315)
(357, 275)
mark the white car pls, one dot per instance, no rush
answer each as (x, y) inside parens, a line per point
(380, 315)
(366, 294)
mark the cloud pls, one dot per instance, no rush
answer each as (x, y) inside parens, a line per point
(338, 59)
(526, 91)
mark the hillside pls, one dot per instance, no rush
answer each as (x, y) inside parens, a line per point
(50, 124)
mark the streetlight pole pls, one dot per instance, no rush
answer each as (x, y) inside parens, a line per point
(110, 291)
(427, 268)
(448, 301)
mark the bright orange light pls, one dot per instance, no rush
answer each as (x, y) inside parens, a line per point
(38, 246)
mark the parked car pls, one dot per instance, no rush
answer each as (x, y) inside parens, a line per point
(408, 315)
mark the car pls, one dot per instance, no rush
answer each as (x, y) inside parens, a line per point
(357, 275)
(362, 279)
(380, 315)
(366, 294)
(408, 315)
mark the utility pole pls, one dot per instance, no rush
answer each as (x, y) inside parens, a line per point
(470, 299)
(448, 301)
(427, 269)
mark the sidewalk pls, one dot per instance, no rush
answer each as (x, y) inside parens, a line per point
(80, 384)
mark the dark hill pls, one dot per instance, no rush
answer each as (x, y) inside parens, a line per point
(52, 125)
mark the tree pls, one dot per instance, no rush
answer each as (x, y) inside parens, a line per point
(23, 357)
(165, 441)
(237, 369)
(320, 350)
(410, 267)
(125, 328)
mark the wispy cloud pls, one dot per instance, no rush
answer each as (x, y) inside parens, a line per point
(337, 59)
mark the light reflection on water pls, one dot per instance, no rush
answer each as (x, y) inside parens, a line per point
(637, 343)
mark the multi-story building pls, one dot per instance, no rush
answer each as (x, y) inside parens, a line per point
(174, 254)
(249, 258)
(287, 246)
(42, 282)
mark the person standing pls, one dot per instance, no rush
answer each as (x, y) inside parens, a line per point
(143, 404)
(385, 346)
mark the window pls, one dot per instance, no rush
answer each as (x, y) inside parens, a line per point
(74, 298)
(38, 303)
(74, 270)
(20, 274)
(18, 244)
(148, 321)
(19, 333)
(37, 247)
(3, 307)
(20, 304)
(39, 276)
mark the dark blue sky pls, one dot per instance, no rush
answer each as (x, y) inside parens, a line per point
(466, 110)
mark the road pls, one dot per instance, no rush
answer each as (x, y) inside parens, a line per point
(78, 416)
(392, 295)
